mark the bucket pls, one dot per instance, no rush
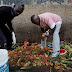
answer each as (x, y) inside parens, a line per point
(4, 66)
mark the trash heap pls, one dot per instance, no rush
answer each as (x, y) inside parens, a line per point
(26, 55)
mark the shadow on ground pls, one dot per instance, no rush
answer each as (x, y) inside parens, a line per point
(39, 69)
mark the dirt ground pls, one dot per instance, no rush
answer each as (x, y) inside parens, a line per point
(39, 69)
(26, 31)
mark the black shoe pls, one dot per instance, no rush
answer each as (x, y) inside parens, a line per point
(11, 49)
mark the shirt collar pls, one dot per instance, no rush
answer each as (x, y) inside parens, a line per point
(12, 10)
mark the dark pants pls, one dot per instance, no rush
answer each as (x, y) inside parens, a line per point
(6, 32)
(1, 39)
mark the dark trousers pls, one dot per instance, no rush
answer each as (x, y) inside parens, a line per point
(1, 39)
(6, 32)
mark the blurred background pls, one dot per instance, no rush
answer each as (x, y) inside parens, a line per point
(26, 31)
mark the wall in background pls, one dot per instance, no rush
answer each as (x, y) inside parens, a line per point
(34, 1)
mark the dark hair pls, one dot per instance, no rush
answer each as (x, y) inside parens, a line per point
(21, 6)
(34, 17)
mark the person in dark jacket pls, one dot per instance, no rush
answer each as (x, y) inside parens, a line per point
(6, 15)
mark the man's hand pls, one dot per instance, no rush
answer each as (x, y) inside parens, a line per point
(14, 38)
(47, 33)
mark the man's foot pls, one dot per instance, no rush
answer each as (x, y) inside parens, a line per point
(11, 49)
(55, 54)
(42, 47)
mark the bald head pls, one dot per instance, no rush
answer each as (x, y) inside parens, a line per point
(35, 19)
(18, 10)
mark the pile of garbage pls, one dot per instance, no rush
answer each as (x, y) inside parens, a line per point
(26, 55)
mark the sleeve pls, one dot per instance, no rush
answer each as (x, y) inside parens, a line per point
(10, 26)
(50, 23)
